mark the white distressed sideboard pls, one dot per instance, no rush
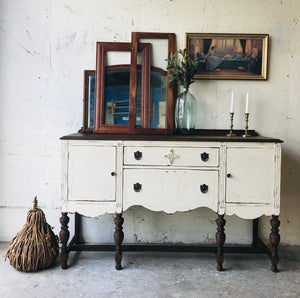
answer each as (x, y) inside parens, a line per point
(109, 173)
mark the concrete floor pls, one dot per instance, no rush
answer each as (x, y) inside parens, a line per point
(92, 274)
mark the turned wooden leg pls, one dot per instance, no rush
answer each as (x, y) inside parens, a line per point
(64, 235)
(274, 239)
(118, 237)
(220, 239)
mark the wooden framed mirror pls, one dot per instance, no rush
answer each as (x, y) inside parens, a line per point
(88, 100)
(113, 75)
(105, 93)
(157, 98)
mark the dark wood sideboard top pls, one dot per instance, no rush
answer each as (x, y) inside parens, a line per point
(204, 135)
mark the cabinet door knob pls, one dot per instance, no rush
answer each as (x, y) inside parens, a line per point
(113, 173)
(204, 188)
(204, 156)
(137, 187)
(138, 155)
(229, 175)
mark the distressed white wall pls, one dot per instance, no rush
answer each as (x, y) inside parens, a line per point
(46, 45)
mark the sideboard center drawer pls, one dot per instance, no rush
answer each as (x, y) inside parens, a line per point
(171, 156)
(170, 190)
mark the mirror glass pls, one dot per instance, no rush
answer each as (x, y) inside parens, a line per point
(117, 58)
(116, 89)
(154, 103)
(116, 99)
(158, 98)
(91, 100)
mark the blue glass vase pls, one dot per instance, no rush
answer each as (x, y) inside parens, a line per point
(185, 112)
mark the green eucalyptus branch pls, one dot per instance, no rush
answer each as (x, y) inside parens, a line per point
(182, 69)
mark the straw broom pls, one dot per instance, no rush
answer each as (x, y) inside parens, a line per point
(35, 247)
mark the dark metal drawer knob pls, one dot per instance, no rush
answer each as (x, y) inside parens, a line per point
(229, 175)
(138, 155)
(113, 173)
(204, 156)
(204, 188)
(137, 187)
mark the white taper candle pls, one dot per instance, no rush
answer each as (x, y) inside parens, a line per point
(247, 103)
(232, 100)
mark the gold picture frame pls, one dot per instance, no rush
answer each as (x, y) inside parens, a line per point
(229, 56)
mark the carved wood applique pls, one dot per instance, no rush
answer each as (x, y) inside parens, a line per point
(171, 156)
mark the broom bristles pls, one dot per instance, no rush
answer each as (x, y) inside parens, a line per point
(35, 246)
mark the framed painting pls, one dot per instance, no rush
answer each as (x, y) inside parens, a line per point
(229, 56)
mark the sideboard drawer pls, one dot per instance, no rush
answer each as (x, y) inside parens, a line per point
(172, 156)
(170, 190)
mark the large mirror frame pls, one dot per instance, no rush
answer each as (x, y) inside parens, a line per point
(144, 127)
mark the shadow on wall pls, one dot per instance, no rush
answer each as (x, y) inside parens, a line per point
(144, 226)
(290, 194)
(290, 200)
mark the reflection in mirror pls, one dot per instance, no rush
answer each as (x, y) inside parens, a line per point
(91, 100)
(116, 89)
(158, 98)
(155, 109)
(116, 105)
(159, 51)
(139, 88)
(117, 58)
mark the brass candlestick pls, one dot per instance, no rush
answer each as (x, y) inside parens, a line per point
(246, 126)
(231, 126)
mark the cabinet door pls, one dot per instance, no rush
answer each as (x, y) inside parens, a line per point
(89, 173)
(250, 175)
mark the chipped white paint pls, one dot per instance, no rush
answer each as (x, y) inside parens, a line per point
(247, 183)
(250, 173)
(46, 45)
(158, 153)
(170, 190)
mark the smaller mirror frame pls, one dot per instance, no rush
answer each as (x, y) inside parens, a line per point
(102, 49)
(133, 128)
(86, 99)
(87, 92)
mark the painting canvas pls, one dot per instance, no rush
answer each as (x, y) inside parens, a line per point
(229, 56)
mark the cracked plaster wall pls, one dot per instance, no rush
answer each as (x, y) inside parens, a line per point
(46, 45)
